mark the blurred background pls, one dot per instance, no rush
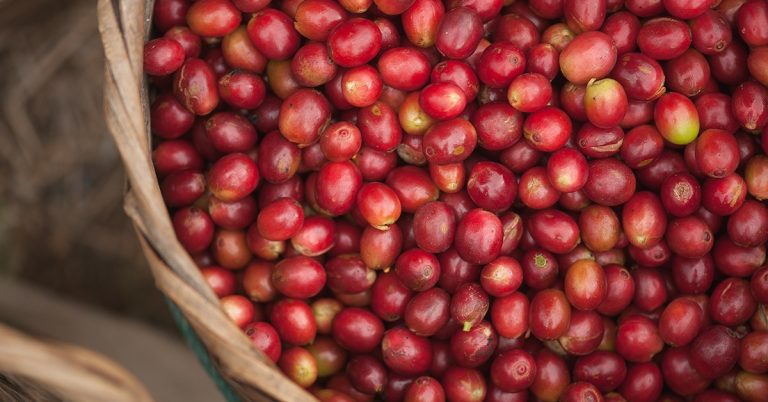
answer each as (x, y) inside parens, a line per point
(70, 266)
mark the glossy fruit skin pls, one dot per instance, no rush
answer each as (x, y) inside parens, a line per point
(347, 273)
(723, 196)
(711, 32)
(620, 290)
(303, 116)
(590, 55)
(673, 33)
(299, 365)
(265, 338)
(689, 237)
(501, 277)
(597, 143)
(491, 186)
(500, 63)
(749, 20)
(605, 102)
(427, 217)
(680, 321)
(567, 170)
(379, 127)
(547, 129)
(169, 13)
(182, 188)
(529, 92)
(749, 105)
(427, 312)
(622, 27)
(458, 72)
(554, 230)
(417, 269)
(479, 236)
(354, 42)
(404, 68)
(458, 33)
(367, 374)
(389, 297)
(585, 333)
(549, 314)
(676, 118)
(299, 277)
(316, 18)
(293, 321)
(643, 382)
(233, 177)
(413, 187)
(213, 18)
(717, 153)
(747, 226)
(405, 352)
(638, 339)
(442, 100)
(693, 276)
(337, 187)
(610, 182)
(583, 16)
(734, 260)
(688, 73)
(464, 384)
(606, 370)
(194, 85)
(644, 219)
(756, 62)
(753, 351)
(517, 29)
(680, 194)
(273, 34)
(552, 376)
(678, 373)
(715, 351)
(513, 370)
(420, 22)
(162, 56)
(378, 204)
(641, 76)
(715, 111)
(424, 389)
(473, 347)
(585, 285)
(170, 119)
(754, 172)
(193, 228)
(357, 330)
(469, 304)
(329, 356)
(378, 248)
(731, 302)
(449, 141)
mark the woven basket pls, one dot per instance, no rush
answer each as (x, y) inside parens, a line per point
(35, 370)
(124, 26)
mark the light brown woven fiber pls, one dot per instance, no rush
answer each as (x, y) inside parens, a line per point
(123, 25)
(34, 370)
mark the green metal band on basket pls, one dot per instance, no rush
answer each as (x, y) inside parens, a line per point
(201, 352)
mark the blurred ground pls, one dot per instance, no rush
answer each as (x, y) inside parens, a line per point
(62, 227)
(61, 218)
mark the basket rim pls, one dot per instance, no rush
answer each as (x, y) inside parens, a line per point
(123, 27)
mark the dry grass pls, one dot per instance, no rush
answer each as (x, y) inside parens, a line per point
(61, 181)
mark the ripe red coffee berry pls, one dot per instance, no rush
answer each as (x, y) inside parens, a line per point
(162, 56)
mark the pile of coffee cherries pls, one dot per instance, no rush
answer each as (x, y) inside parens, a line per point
(476, 200)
